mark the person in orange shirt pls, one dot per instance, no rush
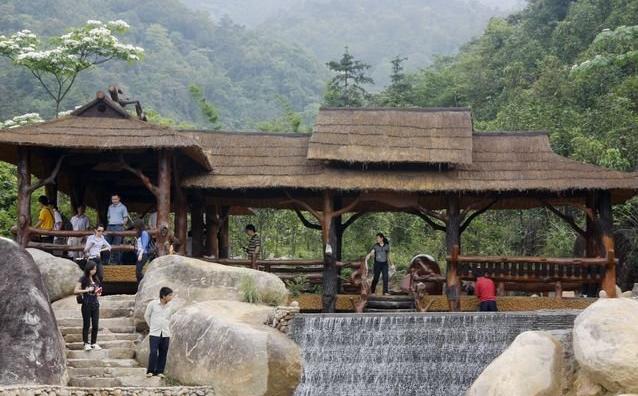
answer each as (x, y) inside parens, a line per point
(45, 218)
(485, 291)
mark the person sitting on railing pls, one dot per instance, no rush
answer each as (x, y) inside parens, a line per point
(79, 222)
(95, 244)
(485, 291)
(142, 245)
(45, 219)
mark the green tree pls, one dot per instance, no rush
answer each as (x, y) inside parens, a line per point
(289, 121)
(209, 111)
(58, 67)
(398, 93)
(346, 88)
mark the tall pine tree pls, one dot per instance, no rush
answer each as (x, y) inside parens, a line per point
(346, 88)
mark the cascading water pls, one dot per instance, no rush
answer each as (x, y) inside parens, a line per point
(406, 353)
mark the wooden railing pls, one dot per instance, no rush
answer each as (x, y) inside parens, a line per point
(287, 269)
(527, 270)
(78, 234)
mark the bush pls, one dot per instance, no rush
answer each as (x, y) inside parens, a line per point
(248, 290)
(297, 285)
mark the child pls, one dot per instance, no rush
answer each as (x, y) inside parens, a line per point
(157, 314)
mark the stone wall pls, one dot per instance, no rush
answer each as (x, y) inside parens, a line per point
(45, 390)
(282, 316)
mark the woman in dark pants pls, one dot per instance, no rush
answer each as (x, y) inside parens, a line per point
(381, 253)
(142, 243)
(90, 288)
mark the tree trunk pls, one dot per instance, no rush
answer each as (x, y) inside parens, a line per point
(24, 196)
(452, 240)
(197, 227)
(606, 222)
(163, 200)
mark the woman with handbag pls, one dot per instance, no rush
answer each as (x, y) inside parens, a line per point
(142, 248)
(88, 289)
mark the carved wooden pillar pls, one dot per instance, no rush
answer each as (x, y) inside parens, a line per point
(452, 242)
(212, 231)
(605, 221)
(164, 165)
(197, 226)
(24, 196)
(224, 237)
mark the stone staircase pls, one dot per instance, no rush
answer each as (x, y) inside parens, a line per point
(391, 303)
(115, 364)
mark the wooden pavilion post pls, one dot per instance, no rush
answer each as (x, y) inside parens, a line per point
(212, 231)
(51, 192)
(24, 196)
(224, 235)
(78, 190)
(329, 238)
(592, 231)
(163, 197)
(181, 224)
(197, 226)
(605, 220)
(453, 243)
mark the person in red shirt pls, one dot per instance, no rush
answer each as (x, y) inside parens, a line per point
(485, 291)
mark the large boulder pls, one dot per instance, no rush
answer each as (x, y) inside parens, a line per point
(196, 280)
(226, 345)
(530, 366)
(31, 347)
(606, 344)
(60, 275)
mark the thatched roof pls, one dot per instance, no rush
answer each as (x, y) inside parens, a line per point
(391, 135)
(83, 130)
(501, 162)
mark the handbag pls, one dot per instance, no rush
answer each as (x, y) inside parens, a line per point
(79, 298)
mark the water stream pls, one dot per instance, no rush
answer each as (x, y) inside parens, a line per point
(406, 353)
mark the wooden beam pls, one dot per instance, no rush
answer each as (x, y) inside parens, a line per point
(50, 179)
(354, 217)
(197, 226)
(146, 181)
(605, 216)
(303, 204)
(224, 232)
(181, 210)
(567, 219)
(430, 222)
(477, 213)
(453, 245)
(329, 237)
(305, 221)
(212, 231)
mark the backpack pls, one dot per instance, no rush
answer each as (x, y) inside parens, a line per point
(152, 250)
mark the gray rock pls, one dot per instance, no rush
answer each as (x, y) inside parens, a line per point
(32, 348)
(60, 275)
(196, 280)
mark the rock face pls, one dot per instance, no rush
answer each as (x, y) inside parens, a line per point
(225, 344)
(31, 347)
(606, 344)
(195, 281)
(530, 366)
(59, 275)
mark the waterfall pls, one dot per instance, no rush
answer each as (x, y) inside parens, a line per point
(407, 353)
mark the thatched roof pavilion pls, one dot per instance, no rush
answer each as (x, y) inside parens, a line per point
(424, 161)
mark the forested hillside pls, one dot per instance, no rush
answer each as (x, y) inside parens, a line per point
(240, 71)
(375, 31)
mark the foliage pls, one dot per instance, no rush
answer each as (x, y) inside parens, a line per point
(397, 93)
(289, 121)
(346, 88)
(209, 111)
(248, 290)
(297, 285)
(57, 67)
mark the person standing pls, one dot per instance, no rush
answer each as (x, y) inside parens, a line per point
(90, 288)
(157, 316)
(79, 222)
(254, 244)
(143, 241)
(118, 217)
(381, 253)
(45, 219)
(485, 291)
(95, 244)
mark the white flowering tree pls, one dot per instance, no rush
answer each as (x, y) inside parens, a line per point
(618, 47)
(57, 65)
(21, 120)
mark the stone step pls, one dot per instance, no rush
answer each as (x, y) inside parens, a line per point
(389, 310)
(104, 323)
(95, 382)
(99, 362)
(66, 330)
(112, 353)
(124, 344)
(103, 336)
(107, 371)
